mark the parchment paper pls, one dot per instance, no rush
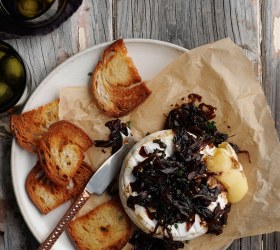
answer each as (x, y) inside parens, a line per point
(225, 78)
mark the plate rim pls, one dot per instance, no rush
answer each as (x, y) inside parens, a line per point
(44, 82)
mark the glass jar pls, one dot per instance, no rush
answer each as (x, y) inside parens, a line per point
(15, 85)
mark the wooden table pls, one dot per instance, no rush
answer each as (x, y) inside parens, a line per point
(252, 24)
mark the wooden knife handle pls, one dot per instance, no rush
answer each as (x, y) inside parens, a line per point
(69, 215)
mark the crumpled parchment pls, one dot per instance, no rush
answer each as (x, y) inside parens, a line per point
(225, 79)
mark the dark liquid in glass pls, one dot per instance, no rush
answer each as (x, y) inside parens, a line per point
(12, 77)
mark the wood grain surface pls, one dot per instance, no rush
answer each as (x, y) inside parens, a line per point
(252, 24)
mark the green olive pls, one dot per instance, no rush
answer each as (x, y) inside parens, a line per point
(12, 70)
(4, 50)
(30, 8)
(6, 93)
(2, 54)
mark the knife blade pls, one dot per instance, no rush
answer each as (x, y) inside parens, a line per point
(110, 168)
(96, 185)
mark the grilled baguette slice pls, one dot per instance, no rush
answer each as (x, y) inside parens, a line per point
(47, 195)
(106, 227)
(116, 83)
(61, 151)
(29, 127)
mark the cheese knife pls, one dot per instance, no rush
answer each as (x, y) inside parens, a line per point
(96, 185)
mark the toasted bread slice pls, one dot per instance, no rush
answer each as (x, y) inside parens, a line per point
(47, 195)
(116, 83)
(61, 151)
(29, 127)
(106, 227)
(81, 178)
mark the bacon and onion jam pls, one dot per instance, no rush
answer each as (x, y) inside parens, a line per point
(171, 185)
(195, 119)
(176, 188)
(168, 182)
(115, 138)
(143, 241)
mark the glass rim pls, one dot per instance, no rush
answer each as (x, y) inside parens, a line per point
(16, 105)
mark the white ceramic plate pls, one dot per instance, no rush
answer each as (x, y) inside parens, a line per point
(149, 56)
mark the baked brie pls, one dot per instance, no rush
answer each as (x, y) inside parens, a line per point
(180, 231)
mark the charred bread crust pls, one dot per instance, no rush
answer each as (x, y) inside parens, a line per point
(29, 127)
(119, 47)
(80, 180)
(116, 83)
(61, 151)
(47, 195)
(106, 227)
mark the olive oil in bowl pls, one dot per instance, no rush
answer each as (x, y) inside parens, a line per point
(15, 82)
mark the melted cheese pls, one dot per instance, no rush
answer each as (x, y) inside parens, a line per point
(223, 163)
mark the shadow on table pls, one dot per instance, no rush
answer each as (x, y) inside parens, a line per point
(14, 233)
